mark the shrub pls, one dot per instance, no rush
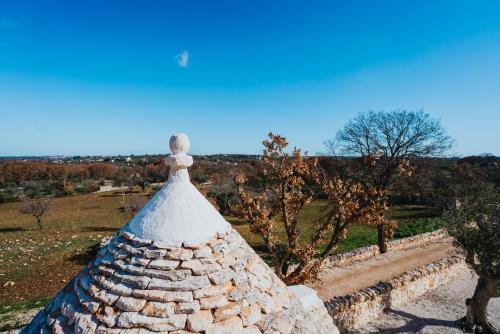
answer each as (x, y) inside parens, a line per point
(65, 188)
(199, 179)
(224, 201)
(422, 225)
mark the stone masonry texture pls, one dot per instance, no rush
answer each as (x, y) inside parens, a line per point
(136, 286)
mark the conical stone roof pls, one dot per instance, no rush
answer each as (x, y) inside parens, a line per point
(170, 271)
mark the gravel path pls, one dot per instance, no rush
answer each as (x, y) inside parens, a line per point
(339, 281)
(435, 312)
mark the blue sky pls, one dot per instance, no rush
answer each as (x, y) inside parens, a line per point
(118, 77)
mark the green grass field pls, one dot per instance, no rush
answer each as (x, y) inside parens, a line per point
(41, 262)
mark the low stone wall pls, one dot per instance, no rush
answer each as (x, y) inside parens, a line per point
(354, 310)
(363, 253)
(417, 240)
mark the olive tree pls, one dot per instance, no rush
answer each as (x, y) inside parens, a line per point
(387, 142)
(475, 224)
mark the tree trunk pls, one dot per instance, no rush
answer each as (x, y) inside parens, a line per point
(476, 318)
(382, 246)
(284, 268)
(39, 222)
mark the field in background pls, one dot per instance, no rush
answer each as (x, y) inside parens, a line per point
(41, 262)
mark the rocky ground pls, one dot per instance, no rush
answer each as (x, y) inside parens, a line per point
(436, 312)
(17, 319)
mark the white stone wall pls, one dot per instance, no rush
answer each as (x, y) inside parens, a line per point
(363, 253)
(356, 309)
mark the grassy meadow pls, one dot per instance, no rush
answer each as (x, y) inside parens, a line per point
(40, 262)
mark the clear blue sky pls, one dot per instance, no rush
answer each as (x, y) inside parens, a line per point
(118, 77)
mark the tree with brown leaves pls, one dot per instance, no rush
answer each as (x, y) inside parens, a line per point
(37, 207)
(285, 193)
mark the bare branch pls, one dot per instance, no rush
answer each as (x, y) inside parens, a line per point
(37, 207)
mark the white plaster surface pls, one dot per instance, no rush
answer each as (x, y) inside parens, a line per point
(178, 213)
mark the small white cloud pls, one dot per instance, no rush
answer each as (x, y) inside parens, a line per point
(183, 59)
(7, 22)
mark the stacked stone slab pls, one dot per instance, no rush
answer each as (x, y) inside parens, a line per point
(138, 286)
(356, 309)
(142, 286)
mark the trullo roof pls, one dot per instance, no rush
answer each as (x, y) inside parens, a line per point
(178, 267)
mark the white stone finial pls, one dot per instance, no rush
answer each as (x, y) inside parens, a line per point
(179, 161)
(178, 213)
(179, 143)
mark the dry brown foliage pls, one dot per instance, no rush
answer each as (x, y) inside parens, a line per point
(285, 194)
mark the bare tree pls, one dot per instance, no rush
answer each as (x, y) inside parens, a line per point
(37, 207)
(133, 205)
(475, 224)
(285, 193)
(387, 142)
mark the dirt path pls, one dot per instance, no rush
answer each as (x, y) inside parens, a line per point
(340, 281)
